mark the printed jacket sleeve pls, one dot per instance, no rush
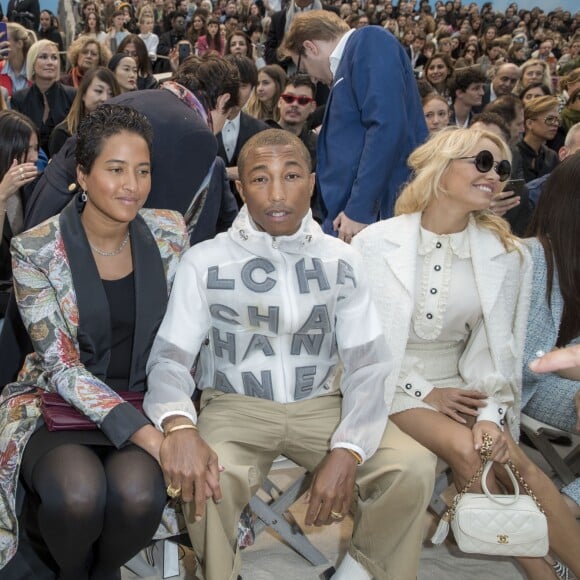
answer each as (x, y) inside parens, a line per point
(184, 327)
(366, 362)
(48, 328)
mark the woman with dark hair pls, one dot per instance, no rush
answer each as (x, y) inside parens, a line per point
(47, 102)
(533, 91)
(451, 284)
(93, 28)
(134, 46)
(18, 155)
(91, 285)
(554, 398)
(438, 70)
(197, 27)
(98, 85)
(47, 30)
(124, 68)
(211, 40)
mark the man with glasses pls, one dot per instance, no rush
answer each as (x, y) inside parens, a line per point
(532, 158)
(373, 118)
(296, 104)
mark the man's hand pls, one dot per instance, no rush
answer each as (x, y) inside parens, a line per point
(346, 227)
(331, 490)
(499, 449)
(189, 464)
(452, 402)
(503, 202)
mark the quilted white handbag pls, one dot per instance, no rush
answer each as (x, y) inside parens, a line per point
(497, 525)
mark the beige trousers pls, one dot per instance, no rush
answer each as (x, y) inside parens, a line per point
(393, 487)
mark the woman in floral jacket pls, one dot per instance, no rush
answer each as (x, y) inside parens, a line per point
(92, 286)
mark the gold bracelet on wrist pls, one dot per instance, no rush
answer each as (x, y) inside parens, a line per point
(179, 428)
(355, 455)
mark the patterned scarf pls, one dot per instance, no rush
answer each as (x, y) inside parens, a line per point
(187, 97)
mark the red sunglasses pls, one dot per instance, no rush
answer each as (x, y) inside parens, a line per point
(302, 100)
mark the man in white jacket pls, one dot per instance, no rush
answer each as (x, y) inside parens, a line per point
(292, 361)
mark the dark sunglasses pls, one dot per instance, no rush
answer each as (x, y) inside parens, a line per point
(485, 162)
(302, 100)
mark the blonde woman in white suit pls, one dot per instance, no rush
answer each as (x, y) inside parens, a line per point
(451, 285)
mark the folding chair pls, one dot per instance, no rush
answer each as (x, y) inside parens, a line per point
(272, 513)
(566, 468)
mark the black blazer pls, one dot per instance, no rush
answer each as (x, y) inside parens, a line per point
(30, 102)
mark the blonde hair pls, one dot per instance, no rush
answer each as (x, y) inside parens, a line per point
(430, 162)
(17, 32)
(33, 53)
(77, 47)
(546, 78)
(313, 25)
(540, 106)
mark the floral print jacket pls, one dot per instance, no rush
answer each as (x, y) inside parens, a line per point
(61, 302)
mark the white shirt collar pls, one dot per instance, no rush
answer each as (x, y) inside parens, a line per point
(235, 122)
(336, 55)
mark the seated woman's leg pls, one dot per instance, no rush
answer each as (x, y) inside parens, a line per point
(70, 483)
(445, 437)
(563, 529)
(135, 501)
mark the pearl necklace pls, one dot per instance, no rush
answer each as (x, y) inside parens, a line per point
(114, 252)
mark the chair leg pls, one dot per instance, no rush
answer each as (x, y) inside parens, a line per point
(548, 452)
(437, 505)
(293, 535)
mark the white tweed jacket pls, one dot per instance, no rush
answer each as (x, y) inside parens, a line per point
(390, 250)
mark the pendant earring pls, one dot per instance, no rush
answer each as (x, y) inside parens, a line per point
(84, 197)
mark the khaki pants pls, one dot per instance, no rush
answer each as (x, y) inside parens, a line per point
(393, 487)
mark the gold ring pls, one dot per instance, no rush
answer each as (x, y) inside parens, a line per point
(336, 515)
(173, 492)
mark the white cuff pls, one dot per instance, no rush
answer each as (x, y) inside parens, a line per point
(173, 414)
(415, 386)
(352, 447)
(494, 412)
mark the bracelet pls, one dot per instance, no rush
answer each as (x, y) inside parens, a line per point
(180, 427)
(355, 455)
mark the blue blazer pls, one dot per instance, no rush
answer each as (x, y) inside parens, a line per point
(373, 121)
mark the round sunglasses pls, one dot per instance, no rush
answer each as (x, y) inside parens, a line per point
(485, 162)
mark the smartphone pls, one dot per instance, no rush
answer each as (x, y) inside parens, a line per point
(4, 38)
(184, 51)
(516, 186)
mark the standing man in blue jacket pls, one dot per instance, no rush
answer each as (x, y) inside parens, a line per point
(373, 117)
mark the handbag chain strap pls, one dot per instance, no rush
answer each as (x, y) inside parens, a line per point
(485, 454)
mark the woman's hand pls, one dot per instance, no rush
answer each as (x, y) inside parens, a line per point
(499, 448)
(17, 176)
(452, 402)
(503, 202)
(149, 439)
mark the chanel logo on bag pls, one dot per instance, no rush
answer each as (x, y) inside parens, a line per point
(503, 539)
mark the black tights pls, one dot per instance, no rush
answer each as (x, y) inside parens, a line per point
(98, 507)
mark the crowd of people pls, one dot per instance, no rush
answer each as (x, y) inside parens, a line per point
(409, 166)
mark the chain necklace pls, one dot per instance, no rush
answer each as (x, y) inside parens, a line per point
(114, 252)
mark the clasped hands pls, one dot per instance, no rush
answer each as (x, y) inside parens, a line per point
(190, 467)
